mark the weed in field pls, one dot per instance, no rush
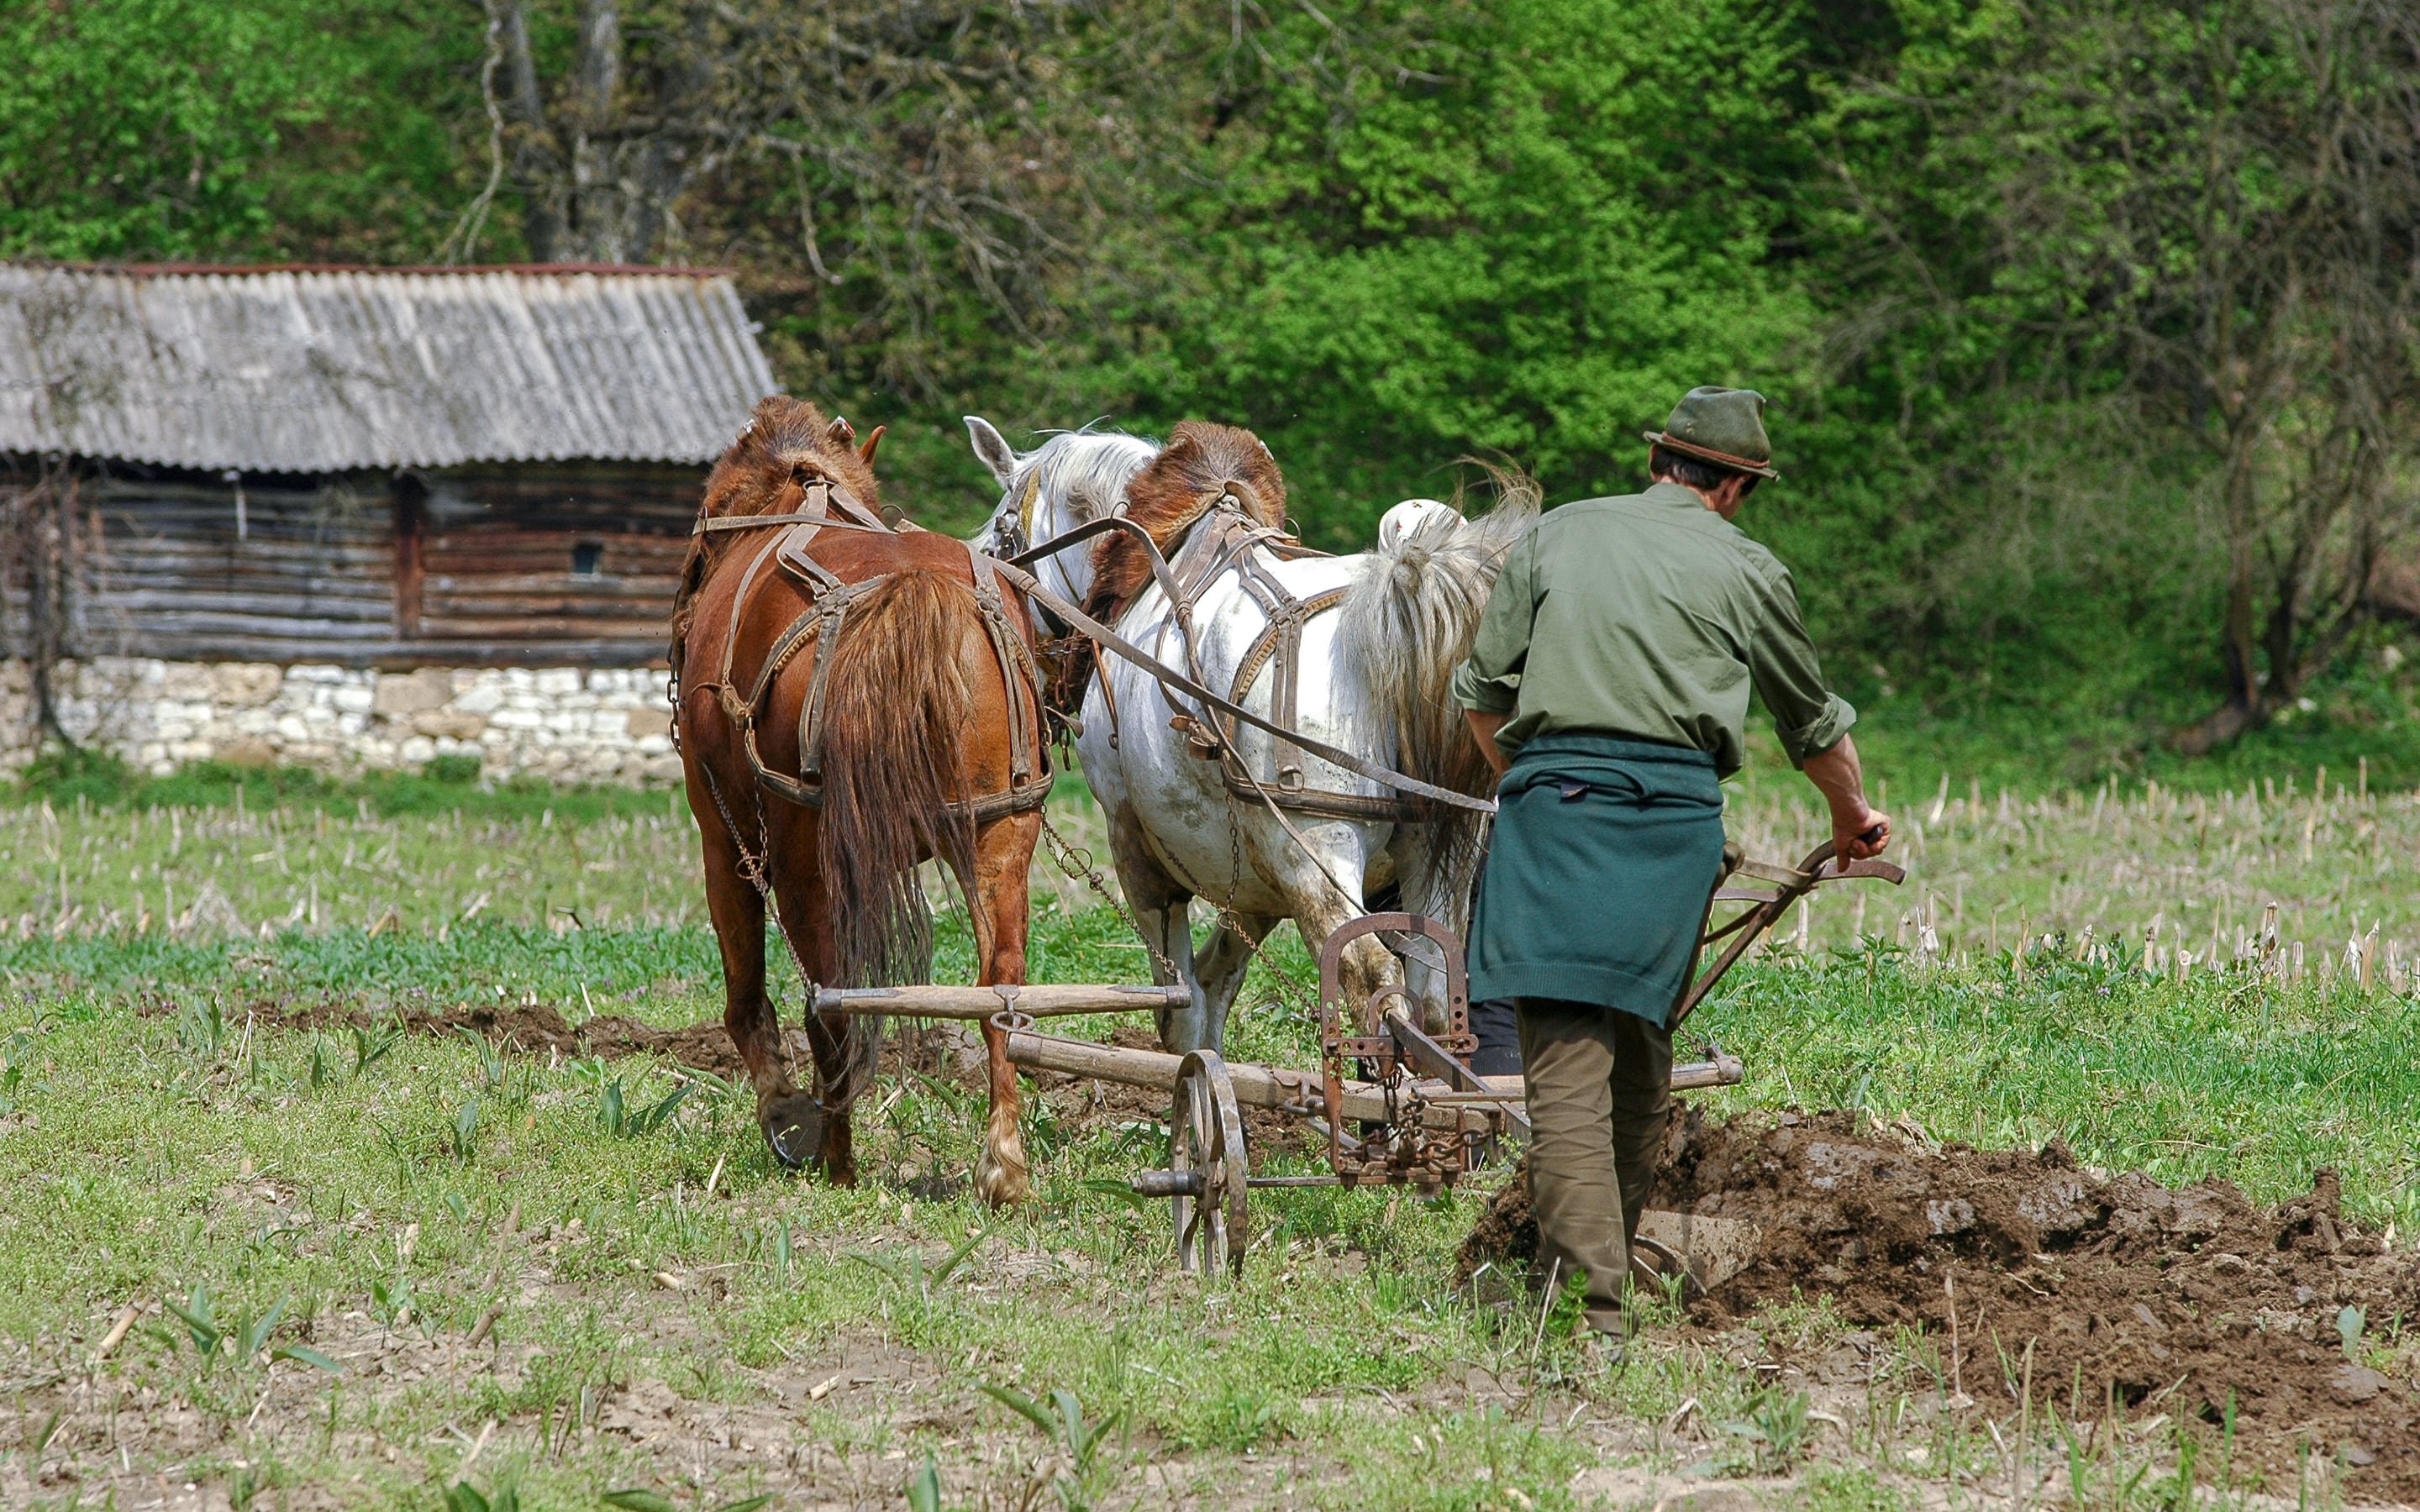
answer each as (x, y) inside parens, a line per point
(463, 1497)
(1774, 1434)
(623, 1122)
(369, 1049)
(641, 1500)
(2350, 1324)
(488, 1055)
(924, 1490)
(392, 1298)
(202, 1029)
(1076, 1440)
(15, 1053)
(465, 1131)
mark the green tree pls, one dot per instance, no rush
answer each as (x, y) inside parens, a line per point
(234, 129)
(1521, 227)
(2096, 235)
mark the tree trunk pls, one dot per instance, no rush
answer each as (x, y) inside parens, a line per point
(44, 514)
(541, 205)
(2239, 648)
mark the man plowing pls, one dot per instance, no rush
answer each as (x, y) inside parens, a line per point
(1608, 686)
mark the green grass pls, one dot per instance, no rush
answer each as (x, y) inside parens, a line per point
(447, 785)
(163, 1140)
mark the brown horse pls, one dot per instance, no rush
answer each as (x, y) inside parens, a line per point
(853, 699)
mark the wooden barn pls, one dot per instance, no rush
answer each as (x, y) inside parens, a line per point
(365, 468)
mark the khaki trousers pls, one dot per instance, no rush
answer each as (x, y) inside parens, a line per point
(1600, 1092)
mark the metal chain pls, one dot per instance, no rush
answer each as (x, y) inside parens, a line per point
(1290, 994)
(1079, 867)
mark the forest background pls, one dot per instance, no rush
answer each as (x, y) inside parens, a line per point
(2088, 325)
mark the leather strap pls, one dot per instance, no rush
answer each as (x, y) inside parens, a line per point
(1169, 677)
(1159, 568)
(821, 622)
(730, 631)
(1014, 660)
(822, 495)
(814, 511)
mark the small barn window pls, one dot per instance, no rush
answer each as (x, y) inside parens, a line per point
(586, 559)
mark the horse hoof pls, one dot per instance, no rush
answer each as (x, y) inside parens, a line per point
(794, 1130)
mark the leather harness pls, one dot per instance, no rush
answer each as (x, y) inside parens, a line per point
(819, 623)
(1228, 539)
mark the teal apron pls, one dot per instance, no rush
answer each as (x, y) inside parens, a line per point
(1604, 855)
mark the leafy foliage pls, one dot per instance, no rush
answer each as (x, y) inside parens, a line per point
(2074, 315)
(1528, 236)
(168, 129)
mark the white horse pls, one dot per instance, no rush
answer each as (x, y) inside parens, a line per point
(1371, 677)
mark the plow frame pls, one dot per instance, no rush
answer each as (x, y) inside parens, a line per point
(1424, 1117)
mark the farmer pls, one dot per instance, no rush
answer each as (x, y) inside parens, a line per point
(1607, 686)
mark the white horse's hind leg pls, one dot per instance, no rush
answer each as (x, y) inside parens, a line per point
(1220, 972)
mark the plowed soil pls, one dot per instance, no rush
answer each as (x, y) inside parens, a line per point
(529, 1028)
(2154, 1298)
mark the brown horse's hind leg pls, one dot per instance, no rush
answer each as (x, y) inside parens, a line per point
(791, 1122)
(830, 1037)
(1002, 853)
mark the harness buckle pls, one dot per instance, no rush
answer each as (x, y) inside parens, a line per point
(1199, 743)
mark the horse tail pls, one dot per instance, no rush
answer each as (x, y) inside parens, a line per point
(896, 718)
(896, 778)
(1407, 624)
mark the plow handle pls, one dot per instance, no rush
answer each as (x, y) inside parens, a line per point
(1790, 888)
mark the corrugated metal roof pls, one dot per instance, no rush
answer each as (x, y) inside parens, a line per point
(323, 370)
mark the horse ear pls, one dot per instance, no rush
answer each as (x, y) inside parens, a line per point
(839, 432)
(872, 440)
(992, 449)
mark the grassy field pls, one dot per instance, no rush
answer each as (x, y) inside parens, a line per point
(363, 1268)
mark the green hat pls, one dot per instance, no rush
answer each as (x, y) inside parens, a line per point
(1724, 427)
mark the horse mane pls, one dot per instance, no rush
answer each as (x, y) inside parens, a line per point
(1089, 468)
(1407, 621)
(788, 444)
(1201, 464)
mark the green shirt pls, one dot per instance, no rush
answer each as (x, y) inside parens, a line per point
(1648, 617)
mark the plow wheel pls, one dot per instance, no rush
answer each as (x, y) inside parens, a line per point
(1207, 1136)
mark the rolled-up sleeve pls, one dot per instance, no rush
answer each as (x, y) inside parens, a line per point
(1489, 679)
(1809, 717)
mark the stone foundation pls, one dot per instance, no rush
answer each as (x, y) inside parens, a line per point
(567, 724)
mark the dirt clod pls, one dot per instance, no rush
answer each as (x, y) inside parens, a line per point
(2156, 1299)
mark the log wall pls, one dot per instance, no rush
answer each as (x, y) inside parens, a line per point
(263, 571)
(542, 556)
(554, 566)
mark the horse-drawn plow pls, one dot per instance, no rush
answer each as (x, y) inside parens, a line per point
(1395, 1103)
(822, 653)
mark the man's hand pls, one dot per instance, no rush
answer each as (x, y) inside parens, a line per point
(1484, 726)
(1859, 831)
(1850, 842)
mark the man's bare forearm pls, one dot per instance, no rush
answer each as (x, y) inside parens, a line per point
(1484, 726)
(1858, 830)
